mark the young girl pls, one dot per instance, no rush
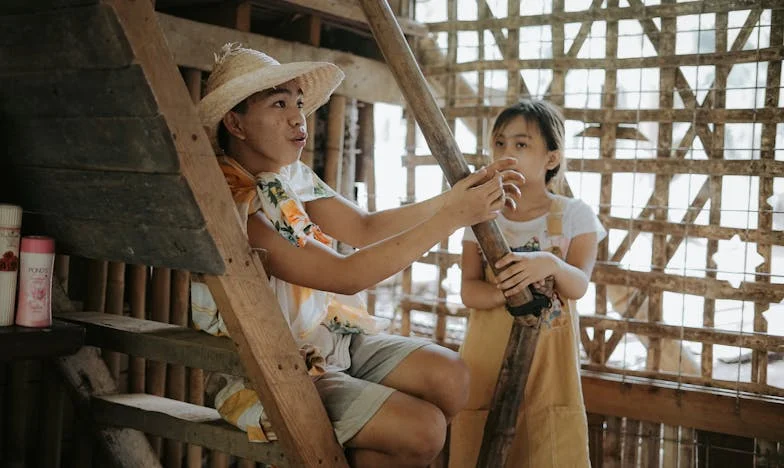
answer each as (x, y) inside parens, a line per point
(554, 243)
(389, 397)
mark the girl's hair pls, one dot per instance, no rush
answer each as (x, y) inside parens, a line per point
(551, 124)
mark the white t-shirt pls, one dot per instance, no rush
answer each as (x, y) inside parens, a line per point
(578, 218)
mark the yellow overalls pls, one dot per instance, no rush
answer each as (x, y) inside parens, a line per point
(552, 430)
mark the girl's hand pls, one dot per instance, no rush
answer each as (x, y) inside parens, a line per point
(520, 269)
(475, 199)
(512, 180)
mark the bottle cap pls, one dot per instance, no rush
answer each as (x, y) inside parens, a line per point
(10, 216)
(37, 244)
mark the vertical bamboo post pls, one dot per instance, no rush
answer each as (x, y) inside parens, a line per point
(115, 292)
(631, 438)
(611, 449)
(348, 175)
(335, 137)
(759, 359)
(662, 183)
(670, 443)
(160, 312)
(606, 151)
(61, 264)
(514, 79)
(557, 87)
(137, 292)
(53, 410)
(175, 375)
(714, 217)
(218, 459)
(596, 439)
(365, 144)
(97, 271)
(195, 377)
(408, 282)
(650, 438)
(687, 443)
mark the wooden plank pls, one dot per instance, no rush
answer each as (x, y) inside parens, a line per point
(248, 306)
(680, 166)
(193, 45)
(710, 231)
(158, 341)
(706, 287)
(82, 37)
(14, 7)
(563, 64)
(700, 115)
(691, 379)
(107, 143)
(77, 93)
(185, 422)
(36, 343)
(751, 340)
(684, 405)
(605, 14)
(190, 249)
(347, 10)
(152, 200)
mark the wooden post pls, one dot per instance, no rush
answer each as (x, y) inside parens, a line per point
(348, 176)
(175, 374)
(160, 312)
(97, 271)
(53, 408)
(405, 308)
(501, 422)
(335, 136)
(365, 144)
(137, 291)
(115, 292)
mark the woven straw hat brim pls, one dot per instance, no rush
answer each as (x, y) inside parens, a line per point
(317, 79)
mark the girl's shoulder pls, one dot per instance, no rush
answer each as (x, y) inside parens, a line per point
(580, 218)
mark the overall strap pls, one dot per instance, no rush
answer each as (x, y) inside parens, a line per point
(555, 218)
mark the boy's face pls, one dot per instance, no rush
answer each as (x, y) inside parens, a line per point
(274, 126)
(522, 140)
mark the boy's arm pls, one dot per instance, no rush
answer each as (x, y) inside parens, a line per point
(474, 290)
(346, 222)
(317, 266)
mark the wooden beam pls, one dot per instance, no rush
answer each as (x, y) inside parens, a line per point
(248, 306)
(683, 405)
(605, 14)
(17, 343)
(158, 341)
(193, 45)
(185, 422)
(348, 10)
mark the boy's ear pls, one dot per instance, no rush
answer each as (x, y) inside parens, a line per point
(553, 159)
(234, 125)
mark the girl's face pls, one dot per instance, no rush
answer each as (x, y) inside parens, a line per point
(274, 126)
(522, 139)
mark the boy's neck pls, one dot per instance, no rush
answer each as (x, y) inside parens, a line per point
(252, 161)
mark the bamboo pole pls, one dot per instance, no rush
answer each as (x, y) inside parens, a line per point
(115, 292)
(137, 292)
(335, 137)
(405, 309)
(500, 427)
(175, 374)
(160, 312)
(365, 144)
(97, 271)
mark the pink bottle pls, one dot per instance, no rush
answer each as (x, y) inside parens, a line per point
(35, 282)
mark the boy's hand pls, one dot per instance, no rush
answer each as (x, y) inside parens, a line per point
(520, 269)
(511, 177)
(475, 199)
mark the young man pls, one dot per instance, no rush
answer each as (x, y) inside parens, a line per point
(389, 397)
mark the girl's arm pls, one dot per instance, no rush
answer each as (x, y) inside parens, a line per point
(474, 290)
(571, 276)
(319, 267)
(346, 222)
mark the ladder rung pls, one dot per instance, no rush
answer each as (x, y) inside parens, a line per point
(158, 341)
(184, 422)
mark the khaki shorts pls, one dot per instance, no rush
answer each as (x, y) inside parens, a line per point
(353, 397)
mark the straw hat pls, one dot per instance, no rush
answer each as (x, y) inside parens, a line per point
(240, 72)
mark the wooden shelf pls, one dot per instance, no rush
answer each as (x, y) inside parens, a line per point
(60, 339)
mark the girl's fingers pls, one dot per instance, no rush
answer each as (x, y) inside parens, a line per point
(506, 260)
(518, 278)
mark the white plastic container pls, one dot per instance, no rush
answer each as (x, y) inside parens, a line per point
(35, 282)
(10, 222)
